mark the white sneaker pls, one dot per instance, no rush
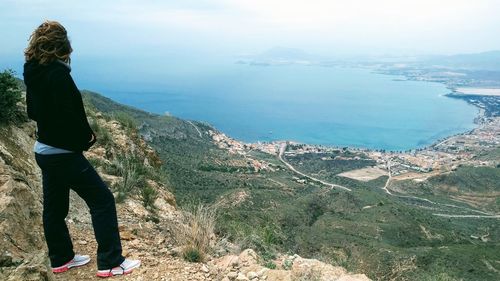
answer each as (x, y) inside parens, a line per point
(126, 267)
(78, 260)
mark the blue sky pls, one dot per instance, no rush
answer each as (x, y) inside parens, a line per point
(150, 30)
(352, 26)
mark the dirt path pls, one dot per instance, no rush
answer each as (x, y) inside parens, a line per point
(331, 185)
(199, 133)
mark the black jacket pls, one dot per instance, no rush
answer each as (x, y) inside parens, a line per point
(55, 103)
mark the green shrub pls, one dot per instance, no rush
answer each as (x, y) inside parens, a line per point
(192, 255)
(271, 235)
(10, 95)
(134, 174)
(127, 121)
(104, 138)
(270, 264)
(287, 264)
(130, 171)
(103, 135)
(148, 195)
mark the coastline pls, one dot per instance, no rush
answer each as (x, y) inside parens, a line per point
(443, 155)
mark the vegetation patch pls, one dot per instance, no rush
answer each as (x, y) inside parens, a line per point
(10, 95)
(195, 233)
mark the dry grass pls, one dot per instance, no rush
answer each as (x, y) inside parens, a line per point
(195, 234)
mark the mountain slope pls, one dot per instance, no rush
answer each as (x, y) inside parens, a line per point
(147, 211)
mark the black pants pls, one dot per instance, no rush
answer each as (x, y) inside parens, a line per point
(72, 170)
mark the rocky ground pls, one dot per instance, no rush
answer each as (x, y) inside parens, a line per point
(152, 243)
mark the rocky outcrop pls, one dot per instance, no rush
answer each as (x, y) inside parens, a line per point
(248, 266)
(22, 248)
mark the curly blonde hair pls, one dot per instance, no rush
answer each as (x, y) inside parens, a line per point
(47, 43)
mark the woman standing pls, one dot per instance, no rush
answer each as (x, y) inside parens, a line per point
(63, 133)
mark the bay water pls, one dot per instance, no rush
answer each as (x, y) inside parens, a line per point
(306, 103)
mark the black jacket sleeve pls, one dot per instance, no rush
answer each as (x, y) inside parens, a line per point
(68, 100)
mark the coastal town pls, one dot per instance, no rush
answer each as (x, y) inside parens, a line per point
(418, 164)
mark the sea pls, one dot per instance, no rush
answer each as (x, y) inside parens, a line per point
(335, 106)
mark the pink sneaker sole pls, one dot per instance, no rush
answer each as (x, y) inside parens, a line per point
(60, 269)
(65, 267)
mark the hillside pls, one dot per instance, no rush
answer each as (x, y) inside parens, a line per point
(152, 224)
(388, 231)
(388, 227)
